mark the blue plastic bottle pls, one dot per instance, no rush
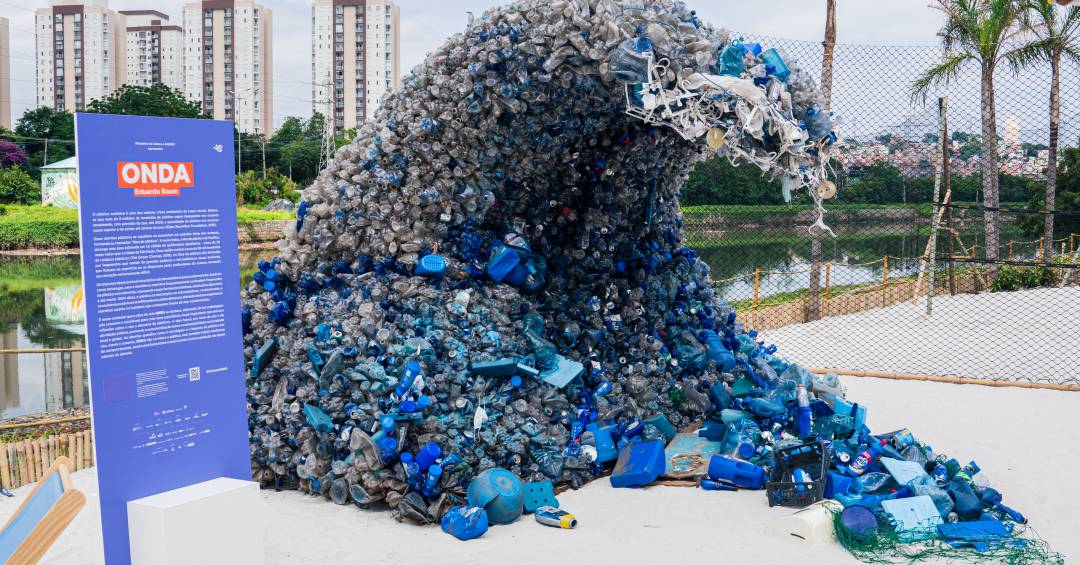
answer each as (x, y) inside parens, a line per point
(408, 377)
(431, 483)
(863, 461)
(427, 456)
(741, 473)
(804, 419)
(716, 350)
(710, 484)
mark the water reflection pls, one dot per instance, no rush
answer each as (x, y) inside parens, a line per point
(41, 298)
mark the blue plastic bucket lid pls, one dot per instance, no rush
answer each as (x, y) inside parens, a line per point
(860, 521)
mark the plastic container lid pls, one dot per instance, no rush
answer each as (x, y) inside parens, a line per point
(859, 521)
(431, 265)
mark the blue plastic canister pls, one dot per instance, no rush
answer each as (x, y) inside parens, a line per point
(743, 474)
(836, 483)
(502, 263)
(639, 464)
(605, 445)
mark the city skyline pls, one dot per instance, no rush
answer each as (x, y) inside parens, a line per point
(425, 25)
(870, 91)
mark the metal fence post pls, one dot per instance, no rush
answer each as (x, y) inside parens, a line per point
(943, 104)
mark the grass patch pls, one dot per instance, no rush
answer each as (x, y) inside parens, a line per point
(252, 215)
(747, 304)
(744, 212)
(38, 227)
(48, 227)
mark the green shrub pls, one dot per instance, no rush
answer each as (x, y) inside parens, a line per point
(252, 188)
(1015, 278)
(17, 187)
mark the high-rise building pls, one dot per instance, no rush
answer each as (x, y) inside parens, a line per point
(80, 52)
(5, 75)
(1011, 136)
(155, 49)
(354, 58)
(228, 62)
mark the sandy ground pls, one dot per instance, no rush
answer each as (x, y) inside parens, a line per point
(1023, 335)
(1021, 438)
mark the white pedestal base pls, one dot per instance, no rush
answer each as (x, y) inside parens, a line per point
(217, 521)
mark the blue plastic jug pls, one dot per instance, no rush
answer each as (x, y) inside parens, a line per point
(743, 474)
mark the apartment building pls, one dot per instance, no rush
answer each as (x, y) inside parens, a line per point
(80, 52)
(228, 61)
(354, 58)
(155, 49)
(5, 75)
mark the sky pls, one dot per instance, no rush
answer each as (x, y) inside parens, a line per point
(426, 23)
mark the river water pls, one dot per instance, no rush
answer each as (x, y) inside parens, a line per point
(41, 298)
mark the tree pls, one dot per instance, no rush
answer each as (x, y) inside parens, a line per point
(156, 100)
(1068, 197)
(814, 305)
(12, 154)
(48, 136)
(296, 147)
(977, 31)
(17, 187)
(717, 181)
(1056, 35)
(252, 188)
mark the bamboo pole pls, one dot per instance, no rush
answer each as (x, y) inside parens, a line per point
(43, 350)
(1010, 249)
(78, 451)
(944, 379)
(5, 470)
(35, 473)
(1040, 253)
(24, 469)
(13, 461)
(42, 454)
(43, 423)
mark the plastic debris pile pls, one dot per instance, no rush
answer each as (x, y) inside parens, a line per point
(492, 276)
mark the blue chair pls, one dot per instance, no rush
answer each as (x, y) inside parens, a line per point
(41, 517)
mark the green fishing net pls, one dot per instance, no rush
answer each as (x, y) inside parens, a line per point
(1025, 547)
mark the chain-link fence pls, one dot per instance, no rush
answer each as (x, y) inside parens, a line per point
(1013, 317)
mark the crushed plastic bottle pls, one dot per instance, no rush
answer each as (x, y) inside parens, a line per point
(503, 205)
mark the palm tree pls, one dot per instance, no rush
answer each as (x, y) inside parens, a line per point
(814, 304)
(1056, 36)
(977, 31)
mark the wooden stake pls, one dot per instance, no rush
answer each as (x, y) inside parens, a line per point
(757, 286)
(24, 469)
(885, 282)
(5, 468)
(828, 273)
(1010, 249)
(39, 456)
